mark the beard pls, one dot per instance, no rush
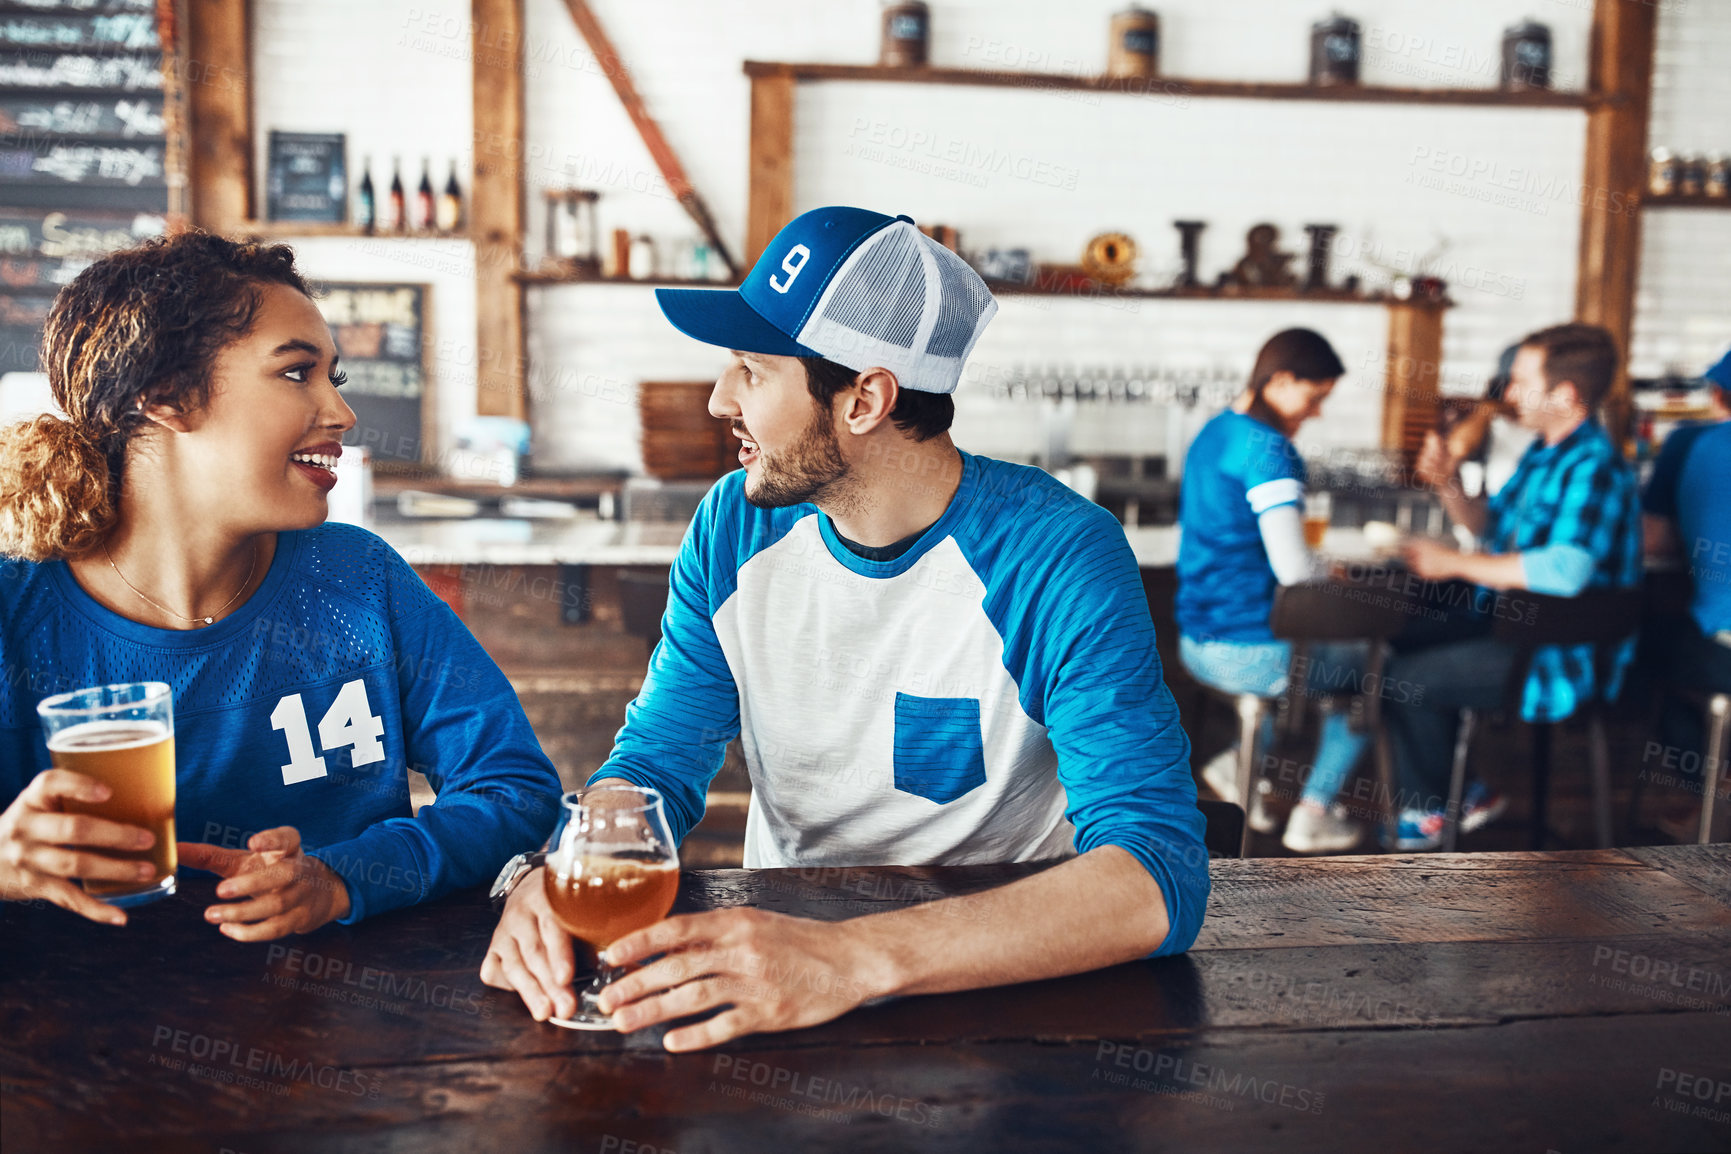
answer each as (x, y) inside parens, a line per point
(812, 468)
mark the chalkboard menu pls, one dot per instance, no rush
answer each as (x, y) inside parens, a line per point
(307, 177)
(43, 249)
(83, 149)
(381, 335)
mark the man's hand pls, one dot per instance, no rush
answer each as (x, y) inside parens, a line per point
(286, 892)
(1434, 465)
(531, 953)
(42, 846)
(1431, 560)
(774, 972)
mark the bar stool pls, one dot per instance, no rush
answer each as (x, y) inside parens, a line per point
(1718, 728)
(1717, 707)
(1305, 614)
(1602, 618)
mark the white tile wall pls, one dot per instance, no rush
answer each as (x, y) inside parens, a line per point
(1683, 298)
(1499, 186)
(396, 79)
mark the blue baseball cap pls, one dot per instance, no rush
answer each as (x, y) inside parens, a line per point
(1720, 373)
(856, 287)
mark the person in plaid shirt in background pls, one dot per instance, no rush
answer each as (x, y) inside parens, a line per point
(1568, 520)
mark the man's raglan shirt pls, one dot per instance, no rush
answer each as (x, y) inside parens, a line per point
(993, 694)
(304, 708)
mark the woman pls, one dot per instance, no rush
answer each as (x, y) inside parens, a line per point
(1243, 534)
(171, 528)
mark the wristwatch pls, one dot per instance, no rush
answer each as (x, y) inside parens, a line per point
(513, 873)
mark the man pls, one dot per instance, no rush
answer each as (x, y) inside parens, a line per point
(1686, 512)
(1566, 521)
(931, 658)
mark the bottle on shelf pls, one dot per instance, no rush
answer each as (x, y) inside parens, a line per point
(396, 213)
(366, 205)
(450, 215)
(424, 196)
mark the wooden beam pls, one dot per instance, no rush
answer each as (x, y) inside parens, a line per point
(1612, 181)
(659, 150)
(770, 203)
(1409, 403)
(217, 72)
(496, 208)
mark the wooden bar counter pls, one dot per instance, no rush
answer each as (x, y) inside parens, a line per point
(1565, 1001)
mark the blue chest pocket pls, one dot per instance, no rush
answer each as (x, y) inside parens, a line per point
(939, 752)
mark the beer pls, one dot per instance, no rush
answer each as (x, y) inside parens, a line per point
(615, 871)
(1315, 530)
(1318, 512)
(599, 898)
(135, 759)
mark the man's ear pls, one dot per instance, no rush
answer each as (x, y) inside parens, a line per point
(1565, 397)
(871, 401)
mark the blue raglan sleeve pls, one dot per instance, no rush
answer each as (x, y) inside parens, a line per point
(465, 730)
(677, 729)
(1088, 670)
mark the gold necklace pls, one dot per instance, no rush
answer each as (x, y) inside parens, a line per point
(205, 620)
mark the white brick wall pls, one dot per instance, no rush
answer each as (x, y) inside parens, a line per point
(1683, 298)
(1500, 185)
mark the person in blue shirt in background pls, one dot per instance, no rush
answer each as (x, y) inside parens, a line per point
(1242, 537)
(1565, 522)
(170, 527)
(1686, 512)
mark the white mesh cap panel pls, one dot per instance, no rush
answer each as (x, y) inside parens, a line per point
(902, 302)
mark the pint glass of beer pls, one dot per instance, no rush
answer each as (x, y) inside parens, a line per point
(1318, 510)
(123, 736)
(613, 870)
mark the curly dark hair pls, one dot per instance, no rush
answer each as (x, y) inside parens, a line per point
(142, 325)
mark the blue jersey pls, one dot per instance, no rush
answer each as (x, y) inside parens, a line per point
(1236, 470)
(1702, 507)
(304, 708)
(992, 694)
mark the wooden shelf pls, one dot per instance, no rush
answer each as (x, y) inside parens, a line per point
(1678, 200)
(288, 229)
(1173, 86)
(1206, 293)
(559, 276)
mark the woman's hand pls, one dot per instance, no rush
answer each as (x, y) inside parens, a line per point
(42, 846)
(285, 891)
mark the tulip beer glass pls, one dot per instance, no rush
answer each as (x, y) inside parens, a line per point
(123, 736)
(614, 870)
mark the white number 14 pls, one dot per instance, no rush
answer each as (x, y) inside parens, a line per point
(349, 721)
